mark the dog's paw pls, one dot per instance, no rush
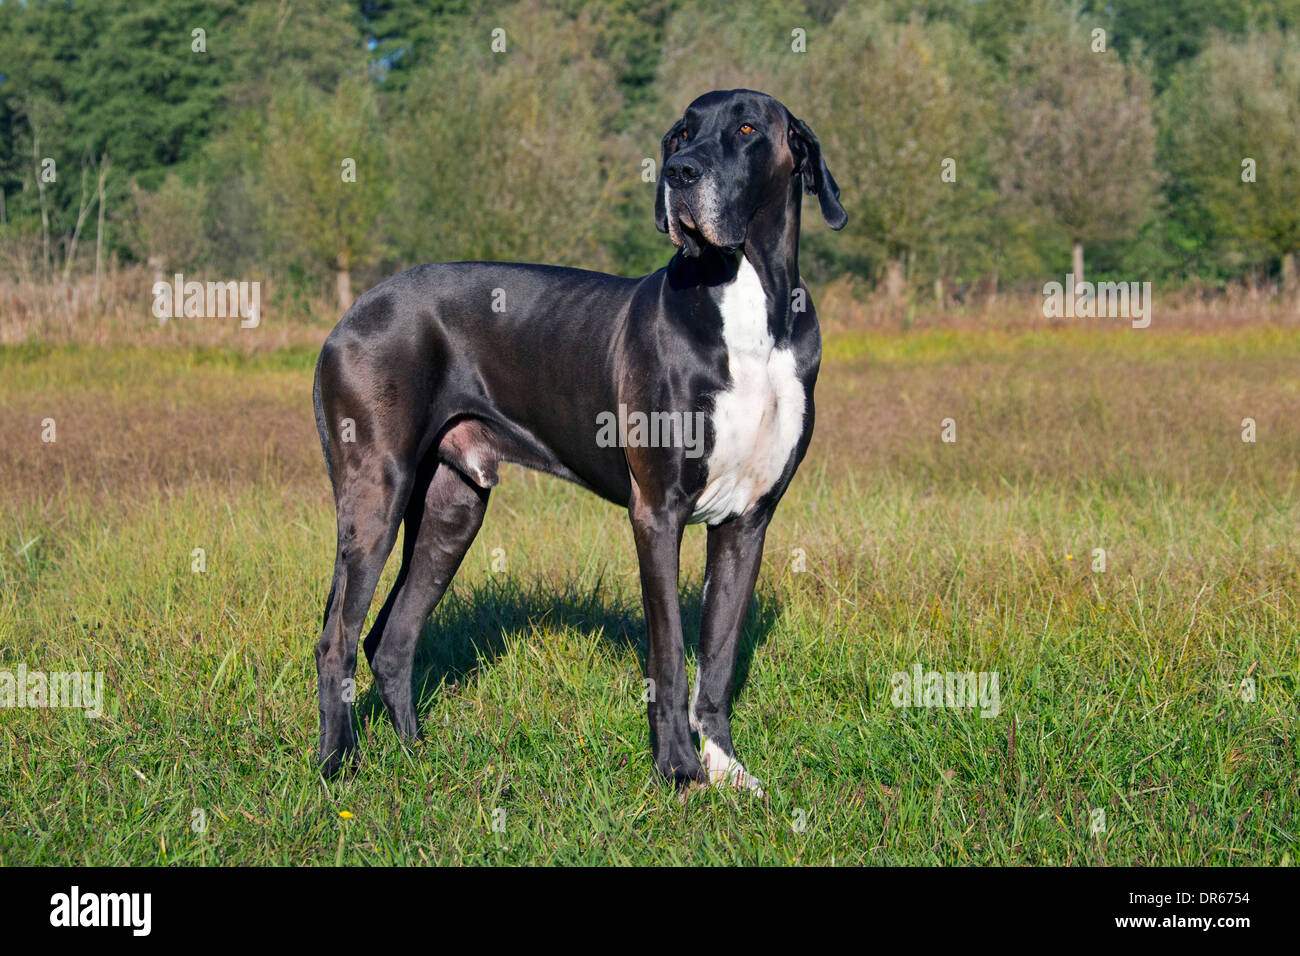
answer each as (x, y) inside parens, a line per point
(726, 771)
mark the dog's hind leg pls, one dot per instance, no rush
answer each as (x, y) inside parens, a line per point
(371, 499)
(411, 527)
(442, 520)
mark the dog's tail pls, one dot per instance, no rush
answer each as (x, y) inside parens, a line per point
(322, 429)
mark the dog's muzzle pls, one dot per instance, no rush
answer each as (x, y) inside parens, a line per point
(694, 219)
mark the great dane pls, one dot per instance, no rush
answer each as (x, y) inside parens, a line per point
(437, 375)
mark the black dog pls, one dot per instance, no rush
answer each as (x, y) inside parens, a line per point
(438, 374)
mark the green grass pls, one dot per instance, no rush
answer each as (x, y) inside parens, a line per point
(1120, 690)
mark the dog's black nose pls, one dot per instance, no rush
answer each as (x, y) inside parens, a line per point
(682, 171)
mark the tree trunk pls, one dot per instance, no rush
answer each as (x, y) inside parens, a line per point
(83, 207)
(894, 280)
(343, 282)
(156, 263)
(45, 215)
(1290, 287)
(99, 233)
(1078, 265)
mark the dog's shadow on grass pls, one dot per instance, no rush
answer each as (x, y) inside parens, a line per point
(472, 628)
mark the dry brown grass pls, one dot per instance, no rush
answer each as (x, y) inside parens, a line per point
(1067, 407)
(129, 421)
(1064, 407)
(33, 310)
(851, 304)
(60, 313)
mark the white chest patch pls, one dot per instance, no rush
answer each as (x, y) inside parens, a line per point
(758, 418)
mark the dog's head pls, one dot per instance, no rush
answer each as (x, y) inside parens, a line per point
(731, 154)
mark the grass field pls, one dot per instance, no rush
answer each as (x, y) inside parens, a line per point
(1161, 691)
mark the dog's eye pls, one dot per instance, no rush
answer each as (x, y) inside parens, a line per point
(683, 136)
(746, 129)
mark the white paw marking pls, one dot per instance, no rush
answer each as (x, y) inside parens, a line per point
(758, 419)
(725, 771)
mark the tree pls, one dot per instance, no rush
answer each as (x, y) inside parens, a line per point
(88, 80)
(322, 177)
(1175, 31)
(165, 226)
(1079, 139)
(506, 153)
(906, 128)
(1230, 124)
(407, 35)
(317, 42)
(105, 62)
(714, 49)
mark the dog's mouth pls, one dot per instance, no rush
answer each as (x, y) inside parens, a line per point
(691, 239)
(687, 235)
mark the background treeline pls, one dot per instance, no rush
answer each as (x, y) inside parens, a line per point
(1128, 158)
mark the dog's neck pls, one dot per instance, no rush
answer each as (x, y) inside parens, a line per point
(772, 248)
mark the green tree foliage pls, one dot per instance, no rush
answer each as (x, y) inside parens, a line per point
(1175, 31)
(405, 35)
(124, 74)
(315, 41)
(223, 150)
(1230, 116)
(322, 179)
(1078, 136)
(506, 154)
(164, 227)
(708, 48)
(906, 129)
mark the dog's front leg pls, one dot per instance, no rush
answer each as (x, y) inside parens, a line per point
(735, 551)
(657, 528)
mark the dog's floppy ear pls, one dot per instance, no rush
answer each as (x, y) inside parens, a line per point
(669, 146)
(816, 177)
